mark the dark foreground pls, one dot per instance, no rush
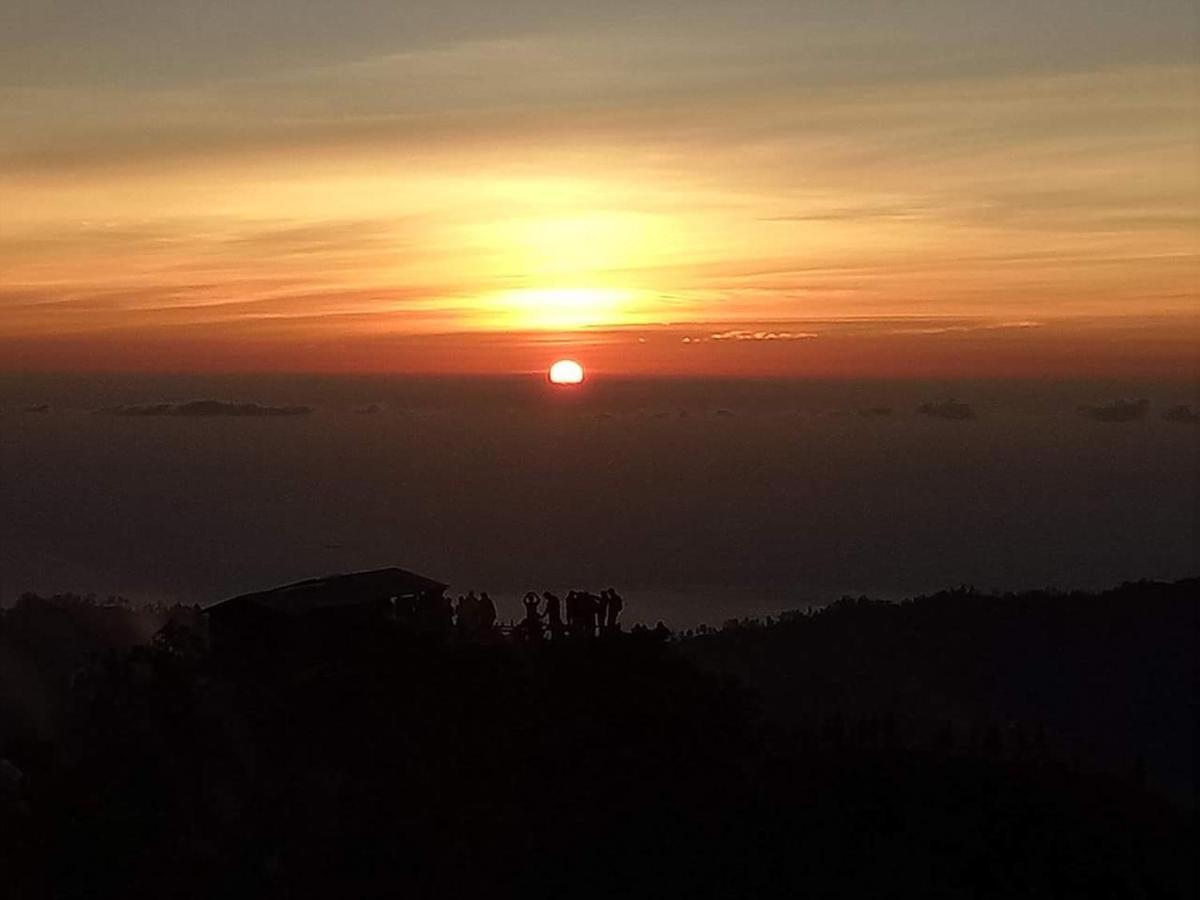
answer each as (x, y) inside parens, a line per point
(858, 753)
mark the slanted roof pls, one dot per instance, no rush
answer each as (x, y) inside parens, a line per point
(336, 590)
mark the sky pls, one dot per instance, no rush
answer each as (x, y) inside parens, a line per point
(772, 187)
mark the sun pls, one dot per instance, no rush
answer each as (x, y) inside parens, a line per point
(566, 371)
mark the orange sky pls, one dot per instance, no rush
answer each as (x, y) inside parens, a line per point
(759, 193)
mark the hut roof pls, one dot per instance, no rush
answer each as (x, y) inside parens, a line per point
(335, 590)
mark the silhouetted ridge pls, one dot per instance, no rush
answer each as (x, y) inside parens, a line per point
(1098, 678)
(386, 763)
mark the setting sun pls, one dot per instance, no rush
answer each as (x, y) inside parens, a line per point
(566, 371)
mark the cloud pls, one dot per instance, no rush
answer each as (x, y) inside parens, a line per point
(895, 211)
(949, 409)
(38, 408)
(1118, 411)
(207, 409)
(1182, 413)
(370, 409)
(744, 335)
(966, 329)
(875, 411)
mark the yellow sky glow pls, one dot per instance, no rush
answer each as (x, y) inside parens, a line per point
(575, 183)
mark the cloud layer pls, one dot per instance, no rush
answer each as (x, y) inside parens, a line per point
(1183, 414)
(1118, 411)
(947, 409)
(207, 409)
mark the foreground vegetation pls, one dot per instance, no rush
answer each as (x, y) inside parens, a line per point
(867, 750)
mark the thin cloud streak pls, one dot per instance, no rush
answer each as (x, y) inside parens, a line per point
(207, 409)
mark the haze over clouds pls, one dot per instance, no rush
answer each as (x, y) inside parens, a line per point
(947, 409)
(206, 409)
(699, 498)
(1118, 411)
(927, 188)
(1182, 413)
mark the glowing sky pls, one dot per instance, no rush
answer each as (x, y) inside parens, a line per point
(769, 186)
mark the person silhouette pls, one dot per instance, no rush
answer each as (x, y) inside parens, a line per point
(601, 607)
(533, 619)
(590, 604)
(468, 614)
(487, 613)
(616, 603)
(457, 609)
(574, 625)
(554, 615)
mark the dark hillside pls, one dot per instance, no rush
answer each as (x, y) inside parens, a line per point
(383, 762)
(1105, 680)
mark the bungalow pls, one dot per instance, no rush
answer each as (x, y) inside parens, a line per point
(251, 622)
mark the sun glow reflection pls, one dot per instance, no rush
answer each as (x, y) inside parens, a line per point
(565, 308)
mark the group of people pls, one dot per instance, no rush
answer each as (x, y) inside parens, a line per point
(579, 614)
(474, 616)
(583, 614)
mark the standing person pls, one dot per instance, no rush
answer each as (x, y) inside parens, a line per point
(533, 619)
(591, 607)
(615, 604)
(601, 611)
(554, 615)
(487, 614)
(465, 614)
(574, 626)
(433, 615)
